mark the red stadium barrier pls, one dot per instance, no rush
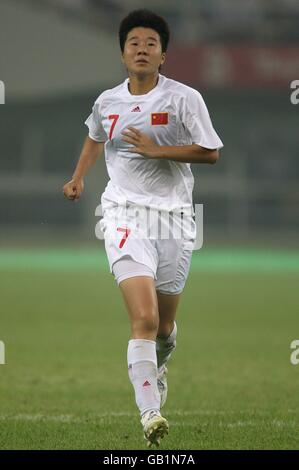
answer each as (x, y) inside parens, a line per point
(217, 66)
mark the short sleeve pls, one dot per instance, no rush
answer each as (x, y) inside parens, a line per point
(197, 122)
(93, 122)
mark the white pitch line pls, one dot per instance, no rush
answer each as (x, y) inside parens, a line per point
(237, 424)
(112, 414)
(105, 416)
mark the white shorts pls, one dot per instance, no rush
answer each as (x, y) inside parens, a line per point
(137, 248)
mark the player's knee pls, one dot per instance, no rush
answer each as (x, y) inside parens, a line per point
(147, 320)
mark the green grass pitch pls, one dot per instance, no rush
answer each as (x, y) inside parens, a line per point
(65, 329)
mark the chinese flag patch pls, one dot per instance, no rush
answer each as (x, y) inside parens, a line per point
(159, 118)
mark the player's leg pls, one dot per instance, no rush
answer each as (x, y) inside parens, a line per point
(133, 262)
(172, 274)
(140, 298)
(136, 282)
(167, 306)
(141, 302)
(166, 338)
(167, 331)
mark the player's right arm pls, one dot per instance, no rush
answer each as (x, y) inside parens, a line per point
(90, 152)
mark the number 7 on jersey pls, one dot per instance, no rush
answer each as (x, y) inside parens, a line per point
(114, 117)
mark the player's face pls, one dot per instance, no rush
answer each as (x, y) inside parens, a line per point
(142, 51)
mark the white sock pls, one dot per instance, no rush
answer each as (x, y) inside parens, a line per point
(142, 364)
(165, 346)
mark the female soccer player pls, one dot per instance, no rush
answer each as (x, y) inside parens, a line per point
(151, 129)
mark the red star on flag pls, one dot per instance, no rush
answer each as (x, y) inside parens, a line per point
(159, 119)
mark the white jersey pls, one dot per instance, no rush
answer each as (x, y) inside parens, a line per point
(171, 114)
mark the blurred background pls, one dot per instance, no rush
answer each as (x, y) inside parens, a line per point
(57, 56)
(62, 319)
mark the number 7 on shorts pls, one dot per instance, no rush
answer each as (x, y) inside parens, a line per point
(127, 232)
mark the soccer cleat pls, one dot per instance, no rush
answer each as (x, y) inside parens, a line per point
(162, 384)
(154, 427)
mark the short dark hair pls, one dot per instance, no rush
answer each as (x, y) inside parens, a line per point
(144, 19)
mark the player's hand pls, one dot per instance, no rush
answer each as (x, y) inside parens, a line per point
(73, 189)
(141, 142)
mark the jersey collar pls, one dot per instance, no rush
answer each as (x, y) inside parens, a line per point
(146, 95)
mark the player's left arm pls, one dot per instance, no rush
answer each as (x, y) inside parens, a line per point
(145, 146)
